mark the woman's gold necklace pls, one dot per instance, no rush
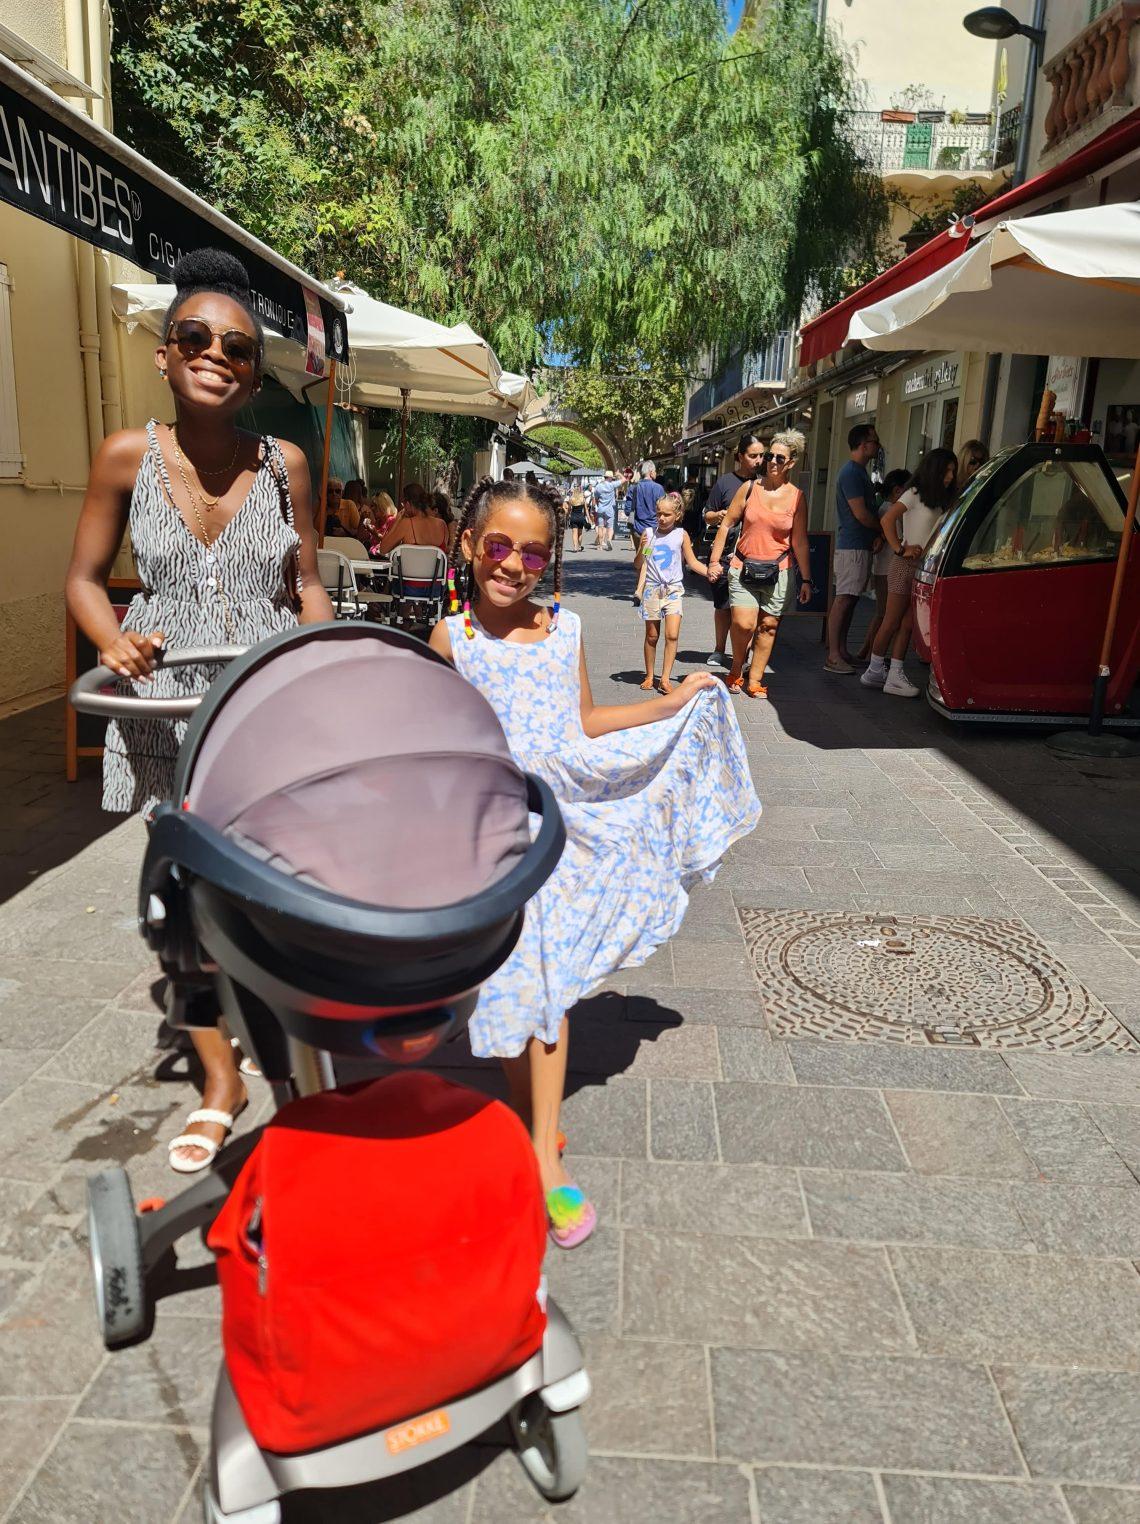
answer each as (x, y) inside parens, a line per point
(180, 461)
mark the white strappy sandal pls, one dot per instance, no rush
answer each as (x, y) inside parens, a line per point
(199, 1140)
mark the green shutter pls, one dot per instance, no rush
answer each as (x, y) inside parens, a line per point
(919, 141)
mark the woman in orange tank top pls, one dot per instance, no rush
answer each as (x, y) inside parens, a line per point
(774, 514)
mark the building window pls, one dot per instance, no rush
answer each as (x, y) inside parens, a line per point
(11, 458)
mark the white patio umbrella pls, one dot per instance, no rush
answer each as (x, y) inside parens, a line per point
(1067, 283)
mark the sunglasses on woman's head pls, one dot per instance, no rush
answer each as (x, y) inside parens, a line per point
(534, 557)
(193, 336)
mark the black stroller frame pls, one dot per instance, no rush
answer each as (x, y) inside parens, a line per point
(212, 913)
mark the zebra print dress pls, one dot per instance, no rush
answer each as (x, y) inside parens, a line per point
(233, 592)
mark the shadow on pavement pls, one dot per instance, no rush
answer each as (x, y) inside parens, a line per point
(1091, 806)
(44, 820)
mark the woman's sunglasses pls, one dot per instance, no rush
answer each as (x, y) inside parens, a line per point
(534, 557)
(779, 460)
(193, 336)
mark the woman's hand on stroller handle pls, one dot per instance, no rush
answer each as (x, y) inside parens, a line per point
(88, 693)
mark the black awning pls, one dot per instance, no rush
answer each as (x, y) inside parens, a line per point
(63, 168)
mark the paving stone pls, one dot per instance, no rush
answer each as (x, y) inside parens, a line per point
(620, 1492)
(1121, 1126)
(763, 1292)
(441, 1492)
(793, 1496)
(741, 1200)
(1064, 1143)
(39, 1020)
(76, 1485)
(608, 1120)
(958, 1135)
(902, 1209)
(1079, 1076)
(600, 1179)
(586, 1281)
(656, 970)
(1082, 1219)
(682, 1120)
(1102, 1505)
(19, 1065)
(1021, 1307)
(1083, 1425)
(749, 1054)
(953, 1500)
(168, 1380)
(802, 1125)
(833, 1410)
(737, 1008)
(898, 1067)
(115, 1049)
(29, 1426)
(647, 1399)
(681, 1053)
(712, 967)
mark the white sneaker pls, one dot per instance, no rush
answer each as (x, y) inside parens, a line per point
(899, 685)
(718, 659)
(874, 677)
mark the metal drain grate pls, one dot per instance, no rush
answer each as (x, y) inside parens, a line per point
(947, 980)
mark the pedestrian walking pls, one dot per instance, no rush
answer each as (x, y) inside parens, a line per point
(746, 463)
(578, 519)
(858, 529)
(643, 508)
(222, 531)
(632, 784)
(772, 513)
(605, 507)
(908, 524)
(882, 555)
(666, 550)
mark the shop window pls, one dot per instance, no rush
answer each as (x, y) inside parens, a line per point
(949, 423)
(11, 459)
(1061, 511)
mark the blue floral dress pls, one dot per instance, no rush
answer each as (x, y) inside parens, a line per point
(649, 812)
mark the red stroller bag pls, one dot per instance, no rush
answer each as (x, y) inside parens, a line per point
(380, 1254)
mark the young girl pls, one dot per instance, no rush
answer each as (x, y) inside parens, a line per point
(660, 586)
(893, 484)
(907, 525)
(633, 784)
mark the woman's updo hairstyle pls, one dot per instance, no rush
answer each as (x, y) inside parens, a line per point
(222, 274)
(792, 440)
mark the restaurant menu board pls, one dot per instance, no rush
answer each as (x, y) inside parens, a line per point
(85, 732)
(819, 559)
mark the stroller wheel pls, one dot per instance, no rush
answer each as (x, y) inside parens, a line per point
(551, 1446)
(260, 1513)
(122, 1306)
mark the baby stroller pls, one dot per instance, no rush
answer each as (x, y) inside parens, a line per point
(346, 858)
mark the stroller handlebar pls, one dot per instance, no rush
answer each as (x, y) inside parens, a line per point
(87, 693)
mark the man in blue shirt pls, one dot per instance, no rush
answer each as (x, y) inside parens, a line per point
(605, 505)
(643, 513)
(858, 529)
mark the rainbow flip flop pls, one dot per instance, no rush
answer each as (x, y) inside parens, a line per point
(572, 1217)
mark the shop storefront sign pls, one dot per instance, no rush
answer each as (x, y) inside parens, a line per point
(927, 380)
(861, 399)
(1065, 377)
(57, 173)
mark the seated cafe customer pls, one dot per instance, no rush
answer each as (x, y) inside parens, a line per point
(416, 523)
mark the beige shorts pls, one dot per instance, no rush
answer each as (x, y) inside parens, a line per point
(771, 598)
(852, 572)
(660, 599)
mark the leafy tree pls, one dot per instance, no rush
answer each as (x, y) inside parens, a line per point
(556, 436)
(621, 176)
(640, 407)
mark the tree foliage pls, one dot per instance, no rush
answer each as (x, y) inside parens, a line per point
(616, 176)
(639, 406)
(557, 436)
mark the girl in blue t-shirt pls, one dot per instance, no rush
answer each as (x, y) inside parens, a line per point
(663, 553)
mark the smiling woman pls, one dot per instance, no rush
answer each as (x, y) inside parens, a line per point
(222, 533)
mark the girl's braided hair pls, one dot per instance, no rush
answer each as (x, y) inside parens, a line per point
(476, 513)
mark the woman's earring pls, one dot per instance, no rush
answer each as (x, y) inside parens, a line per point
(162, 371)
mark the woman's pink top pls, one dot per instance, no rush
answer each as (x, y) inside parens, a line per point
(766, 533)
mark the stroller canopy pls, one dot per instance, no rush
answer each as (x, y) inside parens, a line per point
(363, 764)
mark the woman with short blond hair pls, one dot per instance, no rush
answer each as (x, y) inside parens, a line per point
(773, 513)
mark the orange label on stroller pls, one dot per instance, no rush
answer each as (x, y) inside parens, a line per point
(417, 1431)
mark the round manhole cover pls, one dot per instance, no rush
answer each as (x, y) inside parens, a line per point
(922, 979)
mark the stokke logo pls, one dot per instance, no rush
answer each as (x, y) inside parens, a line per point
(417, 1431)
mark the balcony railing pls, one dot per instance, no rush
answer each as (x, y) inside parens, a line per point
(763, 368)
(1092, 73)
(889, 141)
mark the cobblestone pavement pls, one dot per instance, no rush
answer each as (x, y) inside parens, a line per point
(864, 1142)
